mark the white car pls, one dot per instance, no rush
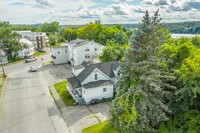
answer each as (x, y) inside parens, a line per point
(30, 59)
(33, 69)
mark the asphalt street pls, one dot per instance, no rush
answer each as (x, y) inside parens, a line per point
(26, 105)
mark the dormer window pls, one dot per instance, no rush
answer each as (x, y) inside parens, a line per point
(95, 76)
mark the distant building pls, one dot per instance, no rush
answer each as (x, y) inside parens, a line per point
(77, 52)
(39, 39)
(27, 48)
(3, 57)
(184, 35)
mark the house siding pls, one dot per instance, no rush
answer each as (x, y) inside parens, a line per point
(91, 77)
(97, 93)
(60, 54)
(80, 53)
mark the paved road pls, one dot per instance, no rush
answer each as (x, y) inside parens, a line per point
(26, 105)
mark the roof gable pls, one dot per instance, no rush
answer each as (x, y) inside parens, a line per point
(106, 68)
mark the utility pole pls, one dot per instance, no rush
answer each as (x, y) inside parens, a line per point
(56, 37)
(2, 65)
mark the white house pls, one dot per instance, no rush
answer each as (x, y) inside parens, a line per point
(184, 35)
(3, 57)
(28, 50)
(79, 51)
(94, 81)
(60, 54)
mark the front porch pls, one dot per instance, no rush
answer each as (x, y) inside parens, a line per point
(76, 94)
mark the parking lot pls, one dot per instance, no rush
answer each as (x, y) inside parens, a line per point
(55, 73)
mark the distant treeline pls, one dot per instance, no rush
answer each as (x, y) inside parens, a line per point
(182, 27)
(185, 27)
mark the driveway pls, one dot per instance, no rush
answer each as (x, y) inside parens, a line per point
(80, 117)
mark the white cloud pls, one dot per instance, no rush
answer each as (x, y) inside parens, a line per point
(84, 11)
(123, 0)
(175, 5)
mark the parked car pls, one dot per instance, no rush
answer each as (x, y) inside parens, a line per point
(33, 69)
(94, 101)
(41, 50)
(30, 59)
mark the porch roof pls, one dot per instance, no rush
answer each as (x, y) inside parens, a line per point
(74, 82)
(97, 84)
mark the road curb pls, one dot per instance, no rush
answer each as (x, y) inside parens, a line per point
(3, 86)
(58, 101)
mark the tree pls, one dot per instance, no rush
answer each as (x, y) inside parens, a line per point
(53, 39)
(175, 51)
(107, 34)
(9, 40)
(50, 27)
(196, 41)
(113, 51)
(139, 104)
(69, 34)
(189, 75)
(121, 37)
(90, 31)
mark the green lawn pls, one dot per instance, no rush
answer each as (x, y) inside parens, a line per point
(39, 53)
(103, 127)
(64, 94)
(23, 59)
(14, 62)
(58, 44)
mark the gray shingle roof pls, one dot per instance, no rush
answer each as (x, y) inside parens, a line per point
(97, 83)
(81, 43)
(83, 65)
(76, 41)
(74, 82)
(106, 67)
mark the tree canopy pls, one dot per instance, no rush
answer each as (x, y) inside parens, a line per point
(50, 27)
(113, 51)
(9, 40)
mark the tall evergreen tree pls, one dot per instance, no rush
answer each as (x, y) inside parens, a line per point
(143, 89)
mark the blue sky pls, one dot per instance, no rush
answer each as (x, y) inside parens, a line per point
(84, 11)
